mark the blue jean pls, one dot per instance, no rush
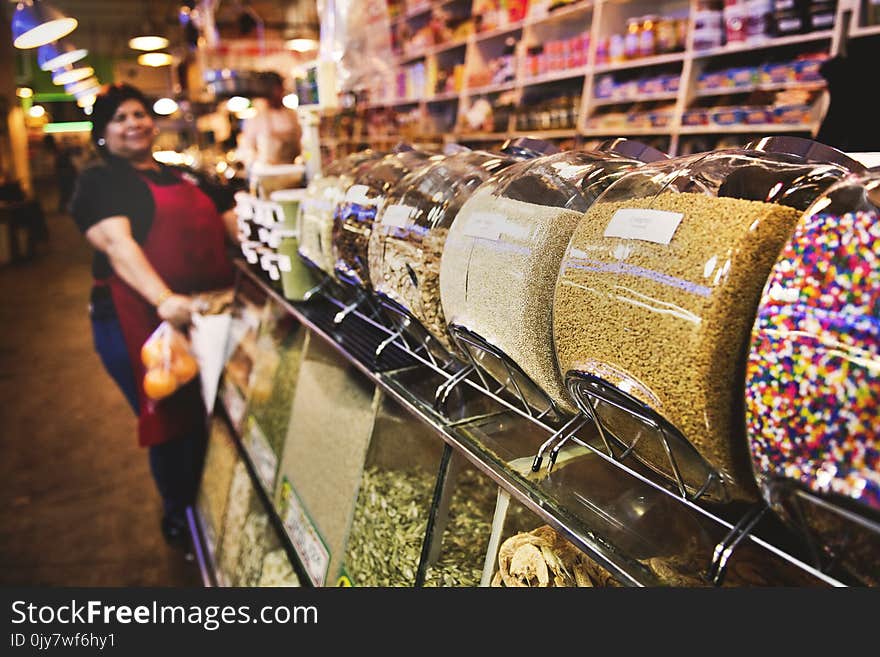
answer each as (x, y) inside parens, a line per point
(177, 464)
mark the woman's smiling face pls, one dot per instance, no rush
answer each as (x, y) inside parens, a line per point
(130, 132)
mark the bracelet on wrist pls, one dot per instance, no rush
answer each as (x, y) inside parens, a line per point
(166, 293)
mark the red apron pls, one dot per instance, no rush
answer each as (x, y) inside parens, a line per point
(186, 247)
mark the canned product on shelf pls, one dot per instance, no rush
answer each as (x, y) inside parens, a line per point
(813, 372)
(657, 293)
(354, 216)
(502, 258)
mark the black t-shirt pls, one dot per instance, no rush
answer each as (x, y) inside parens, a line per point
(115, 189)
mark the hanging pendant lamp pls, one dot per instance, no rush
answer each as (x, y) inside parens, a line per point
(35, 24)
(58, 54)
(68, 75)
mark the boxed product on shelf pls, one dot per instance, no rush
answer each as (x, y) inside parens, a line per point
(394, 501)
(331, 421)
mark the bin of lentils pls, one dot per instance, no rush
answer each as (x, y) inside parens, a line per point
(315, 222)
(408, 237)
(503, 253)
(812, 384)
(658, 291)
(354, 216)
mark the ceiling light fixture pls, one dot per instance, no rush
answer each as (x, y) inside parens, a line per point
(165, 106)
(36, 111)
(301, 45)
(148, 43)
(155, 59)
(69, 75)
(58, 54)
(237, 104)
(35, 24)
(291, 101)
(78, 88)
(24, 92)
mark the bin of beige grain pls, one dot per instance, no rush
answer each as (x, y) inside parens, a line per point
(502, 257)
(221, 456)
(315, 222)
(323, 458)
(241, 500)
(657, 293)
(394, 499)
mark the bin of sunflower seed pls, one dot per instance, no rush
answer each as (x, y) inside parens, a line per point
(241, 499)
(277, 570)
(542, 558)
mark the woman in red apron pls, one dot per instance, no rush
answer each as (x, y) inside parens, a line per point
(160, 238)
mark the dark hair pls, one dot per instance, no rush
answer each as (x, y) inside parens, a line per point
(108, 101)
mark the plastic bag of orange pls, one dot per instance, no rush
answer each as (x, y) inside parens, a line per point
(169, 361)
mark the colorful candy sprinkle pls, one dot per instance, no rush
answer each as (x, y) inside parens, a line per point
(813, 374)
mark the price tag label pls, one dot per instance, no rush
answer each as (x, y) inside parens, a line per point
(398, 216)
(260, 451)
(309, 544)
(485, 225)
(656, 226)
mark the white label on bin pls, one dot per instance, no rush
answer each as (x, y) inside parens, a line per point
(304, 535)
(264, 460)
(486, 225)
(649, 225)
(274, 274)
(284, 263)
(399, 216)
(358, 194)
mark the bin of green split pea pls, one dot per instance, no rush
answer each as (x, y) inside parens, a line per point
(297, 278)
(657, 293)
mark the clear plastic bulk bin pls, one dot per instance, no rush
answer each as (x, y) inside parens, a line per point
(657, 294)
(315, 222)
(813, 372)
(407, 240)
(354, 216)
(502, 258)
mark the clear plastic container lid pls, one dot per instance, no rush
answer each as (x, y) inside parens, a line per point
(813, 373)
(502, 258)
(316, 209)
(354, 215)
(407, 240)
(657, 294)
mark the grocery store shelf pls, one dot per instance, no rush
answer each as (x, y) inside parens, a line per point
(547, 134)
(490, 88)
(762, 128)
(600, 102)
(560, 14)
(766, 44)
(551, 504)
(865, 31)
(482, 136)
(641, 62)
(567, 74)
(501, 31)
(413, 56)
(779, 86)
(627, 132)
(444, 97)
(452, 45)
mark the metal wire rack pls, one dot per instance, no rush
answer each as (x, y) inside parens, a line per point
(378, 345)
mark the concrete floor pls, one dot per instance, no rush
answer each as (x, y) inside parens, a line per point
(78, 506)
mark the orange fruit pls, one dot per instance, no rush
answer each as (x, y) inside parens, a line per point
(153, 352)
(159, 383)
(184, 367)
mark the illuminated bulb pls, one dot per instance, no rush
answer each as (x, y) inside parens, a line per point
(291, 101)
(155, 59)
(37, 111)
(237, 104)
(165, 106)
(148, 43)
(302, 45)
(88, 109)
(86, 101)
(247, 113)
(24, 92)
(71, 75)
(36, 24)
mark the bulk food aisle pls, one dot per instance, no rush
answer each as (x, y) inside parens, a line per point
(517, 353)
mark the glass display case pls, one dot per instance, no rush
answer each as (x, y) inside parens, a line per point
(657, 293)
(221, 457)
(812, 385)
(502, 257)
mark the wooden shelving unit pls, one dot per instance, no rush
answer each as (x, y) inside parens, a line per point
(599, 19)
